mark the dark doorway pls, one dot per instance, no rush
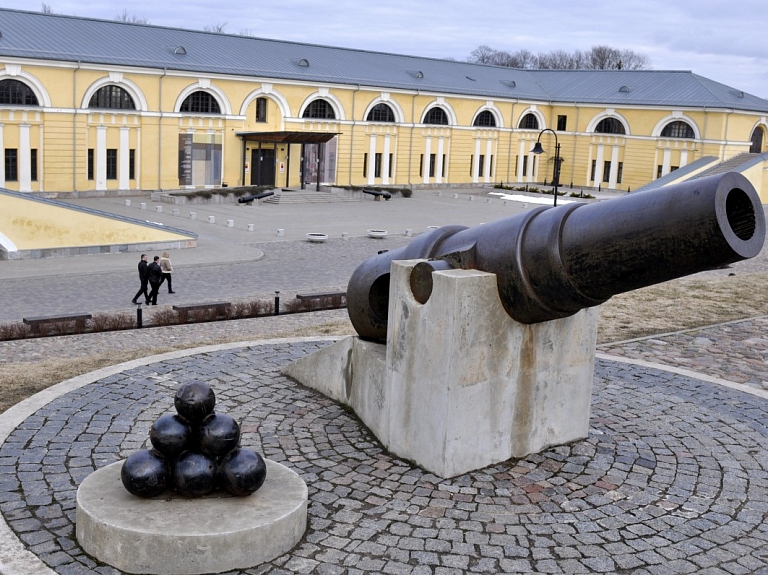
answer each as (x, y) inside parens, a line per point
(757, 141)
(263, 167)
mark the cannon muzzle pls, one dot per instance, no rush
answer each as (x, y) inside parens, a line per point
(551, 262)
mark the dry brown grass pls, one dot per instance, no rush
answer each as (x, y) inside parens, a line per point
(683, 304)
(672, 306)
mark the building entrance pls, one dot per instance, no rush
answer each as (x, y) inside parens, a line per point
(263, 167)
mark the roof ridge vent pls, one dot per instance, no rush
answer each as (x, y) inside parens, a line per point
(509, 83)
(180, 50)
(624, 89)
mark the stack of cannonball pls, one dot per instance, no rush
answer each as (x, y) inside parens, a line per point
(195, 451)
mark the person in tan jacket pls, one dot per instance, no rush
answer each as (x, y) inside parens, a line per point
(165, 265)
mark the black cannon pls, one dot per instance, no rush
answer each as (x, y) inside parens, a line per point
(249, 199)
(552, 262)
(385, 195)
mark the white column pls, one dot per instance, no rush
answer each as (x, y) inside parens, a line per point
(683, 158)
(520, 156)
(614, 175)
(385, 161)
(666, 162)
(599, 166)
(439, 163)
(533, 166)
(2, 159)
(476, 162)
(25, 159)
(123, 162)
(371, 159)
(101, 158)
(488, 155)
(427, 153)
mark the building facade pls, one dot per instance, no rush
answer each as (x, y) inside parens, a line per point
(100, 106)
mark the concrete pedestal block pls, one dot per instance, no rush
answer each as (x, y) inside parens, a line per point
(170, 534)
(460, 385)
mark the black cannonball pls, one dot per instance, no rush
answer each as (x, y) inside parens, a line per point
(194, 401)
(219, 434)
(194, 474)
(145, 473)
(171, 435)
(242, 472)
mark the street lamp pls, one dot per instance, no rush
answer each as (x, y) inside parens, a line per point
(537, 149)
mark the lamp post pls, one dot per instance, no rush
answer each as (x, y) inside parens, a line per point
(537, 149)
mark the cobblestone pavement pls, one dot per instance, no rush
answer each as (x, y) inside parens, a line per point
(672, 478)
(734, 351)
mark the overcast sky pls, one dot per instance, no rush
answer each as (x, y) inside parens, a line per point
(724, 41)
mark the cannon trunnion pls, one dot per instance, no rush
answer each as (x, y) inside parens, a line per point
(552, 262)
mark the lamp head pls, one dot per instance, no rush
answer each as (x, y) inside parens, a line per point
(537, 149)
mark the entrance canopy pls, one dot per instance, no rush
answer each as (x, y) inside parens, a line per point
(305, 138)
(287, 137)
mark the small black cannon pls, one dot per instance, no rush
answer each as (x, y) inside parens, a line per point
(552, 262)
(249, 199)
(377, 193)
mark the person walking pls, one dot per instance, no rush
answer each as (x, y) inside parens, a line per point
(165, 265)
(144, 278)
(155, 279)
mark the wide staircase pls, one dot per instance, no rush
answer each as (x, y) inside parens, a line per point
(290, 196)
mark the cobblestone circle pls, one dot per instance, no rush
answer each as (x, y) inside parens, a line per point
(671, 479)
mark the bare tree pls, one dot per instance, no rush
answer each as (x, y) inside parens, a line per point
(482, 55)
(47, 9)
(131, 18)
(597, 58)
(218, 28)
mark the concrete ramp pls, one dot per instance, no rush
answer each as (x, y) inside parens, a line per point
(34, 227)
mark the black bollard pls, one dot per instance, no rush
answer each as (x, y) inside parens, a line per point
(277, 302)
(138, 315)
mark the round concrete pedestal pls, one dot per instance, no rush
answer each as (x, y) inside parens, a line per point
(169, 534)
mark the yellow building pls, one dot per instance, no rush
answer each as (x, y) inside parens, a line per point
(110, 107)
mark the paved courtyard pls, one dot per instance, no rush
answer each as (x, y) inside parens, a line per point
(673, 477)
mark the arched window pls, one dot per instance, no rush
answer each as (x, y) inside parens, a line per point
(321, 109)
(112, 97)
(15, 93)
(678, 129)
(485, 119)
(200, 102)
(436, 116)
(529, 122)
(381, 113)
(757, 141)
(610, 126)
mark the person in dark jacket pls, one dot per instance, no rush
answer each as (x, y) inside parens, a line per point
(155, 279)
(144, 278)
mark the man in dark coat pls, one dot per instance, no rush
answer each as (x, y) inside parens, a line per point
(155, 279)
(144, 278)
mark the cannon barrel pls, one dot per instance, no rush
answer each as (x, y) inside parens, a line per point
(551, 262)
(247, 199)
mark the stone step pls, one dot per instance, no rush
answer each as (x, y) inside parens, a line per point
(308, 198)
